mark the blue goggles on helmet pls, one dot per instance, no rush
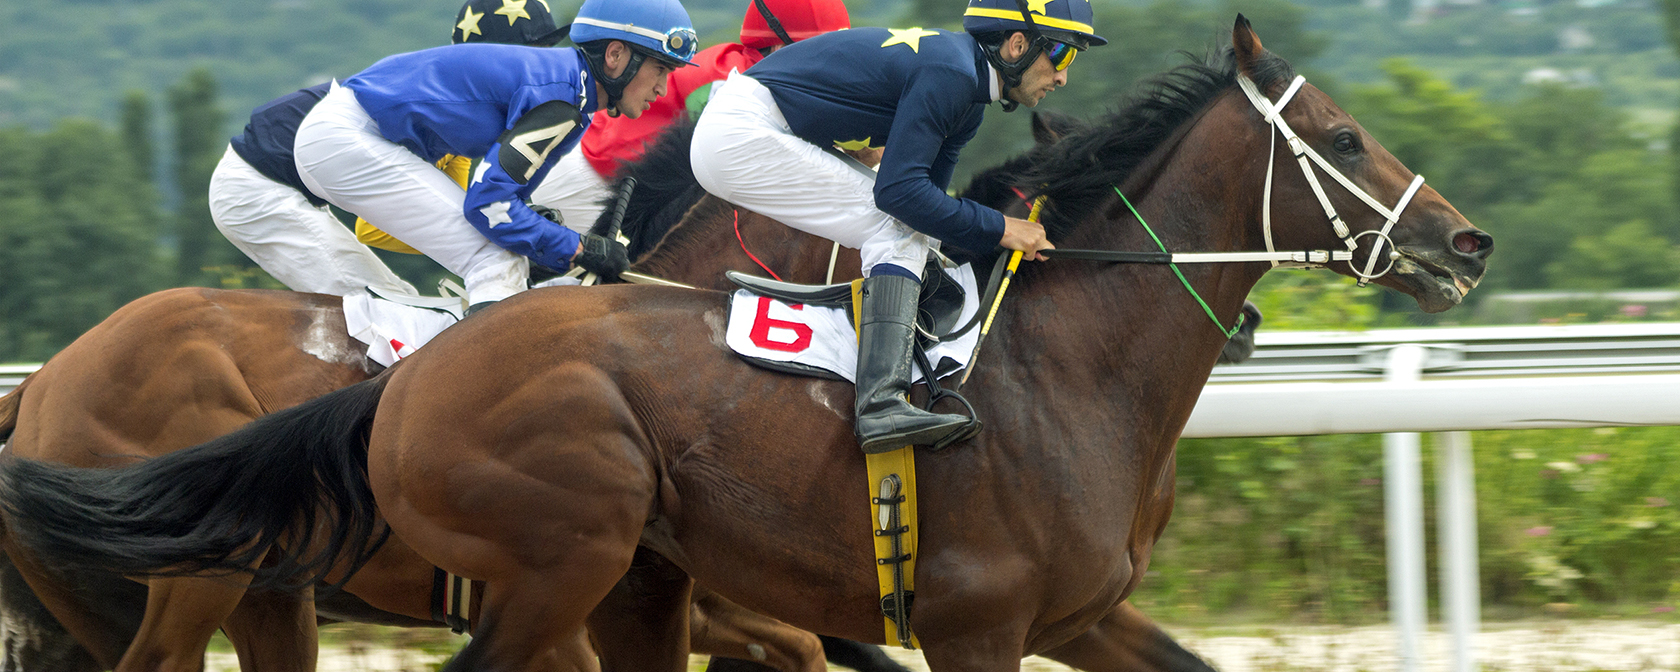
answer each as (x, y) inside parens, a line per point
(681, 44)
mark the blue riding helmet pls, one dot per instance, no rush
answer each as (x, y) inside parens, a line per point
(657, 28)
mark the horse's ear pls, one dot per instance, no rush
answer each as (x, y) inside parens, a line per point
(1049, 127)
(1246, 44)
(1042, 134)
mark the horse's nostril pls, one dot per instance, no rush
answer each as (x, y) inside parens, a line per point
(1467, 243)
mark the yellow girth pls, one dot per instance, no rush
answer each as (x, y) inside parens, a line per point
(901, 463)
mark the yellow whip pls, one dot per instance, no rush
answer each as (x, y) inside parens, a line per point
(1003, 286)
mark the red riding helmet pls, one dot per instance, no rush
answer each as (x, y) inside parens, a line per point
(790, 21)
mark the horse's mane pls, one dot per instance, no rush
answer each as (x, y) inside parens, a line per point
(1081, 171)
(665, 190)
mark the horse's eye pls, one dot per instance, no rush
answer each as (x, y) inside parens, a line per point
(1346, 143)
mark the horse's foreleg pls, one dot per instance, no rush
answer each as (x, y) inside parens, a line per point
(181, 615)
(643, 623)
(274, 631)
(1126, 641)
(727, 631)
(982, 651)
(518, 632)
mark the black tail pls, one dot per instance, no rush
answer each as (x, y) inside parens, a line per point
(219, 507)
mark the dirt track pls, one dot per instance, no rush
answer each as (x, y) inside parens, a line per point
(1558, 646)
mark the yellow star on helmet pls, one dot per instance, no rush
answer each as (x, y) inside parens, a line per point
(469, 24)
(1038, 6)
(853, 145)
(514, 10)
(910, 36)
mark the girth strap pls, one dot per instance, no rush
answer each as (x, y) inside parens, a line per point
(451, 600)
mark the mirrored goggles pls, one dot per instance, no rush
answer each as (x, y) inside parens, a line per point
(1061, 55)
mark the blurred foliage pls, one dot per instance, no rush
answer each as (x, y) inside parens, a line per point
(78, 237)
(1293, 527)
(1574, 197)
(196, 125)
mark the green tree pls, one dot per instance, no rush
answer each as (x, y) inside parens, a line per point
(1449, 136)
(1579, 172)
(137, 132)
(1671, 21)
(1626, 255)
(936, 12)
(199, 142)
(73, 246)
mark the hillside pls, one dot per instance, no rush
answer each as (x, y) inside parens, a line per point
(77, 58)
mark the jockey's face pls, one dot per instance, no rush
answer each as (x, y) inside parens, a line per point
(1039, 79)
(644, 88)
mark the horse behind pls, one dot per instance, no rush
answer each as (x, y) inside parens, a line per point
(183, 366)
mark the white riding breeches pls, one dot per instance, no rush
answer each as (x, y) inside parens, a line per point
(301, 245)
(575, 189)
(343, 158)
(745, 153)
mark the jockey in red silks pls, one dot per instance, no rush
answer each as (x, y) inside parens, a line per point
(579, 182)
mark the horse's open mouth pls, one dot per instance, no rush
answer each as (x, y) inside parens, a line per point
(1435, 287)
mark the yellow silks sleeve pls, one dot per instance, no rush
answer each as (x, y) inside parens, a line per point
(458, 168)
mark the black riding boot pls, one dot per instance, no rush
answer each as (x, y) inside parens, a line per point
(885, 419)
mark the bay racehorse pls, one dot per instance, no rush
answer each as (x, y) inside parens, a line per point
(539, 446)
(185, 365)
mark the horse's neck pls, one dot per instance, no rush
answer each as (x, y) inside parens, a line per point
(1127, 345)
(696, 250)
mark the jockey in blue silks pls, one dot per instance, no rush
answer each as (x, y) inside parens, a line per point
(764, 143)
(369, 145)
(258, 201)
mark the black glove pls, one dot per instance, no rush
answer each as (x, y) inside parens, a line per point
(601, 256)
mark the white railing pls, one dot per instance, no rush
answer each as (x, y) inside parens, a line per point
(12, 374)
(1404, 381)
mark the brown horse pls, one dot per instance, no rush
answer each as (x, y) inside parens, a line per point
(182, 366)
(539, 446)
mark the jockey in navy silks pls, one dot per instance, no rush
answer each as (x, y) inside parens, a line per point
(258, 201)
(369, 145)
(762, 143)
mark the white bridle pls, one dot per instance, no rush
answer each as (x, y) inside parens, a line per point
(1273, 114)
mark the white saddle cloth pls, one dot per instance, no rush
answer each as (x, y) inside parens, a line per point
(765, 328)
(394, 330)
